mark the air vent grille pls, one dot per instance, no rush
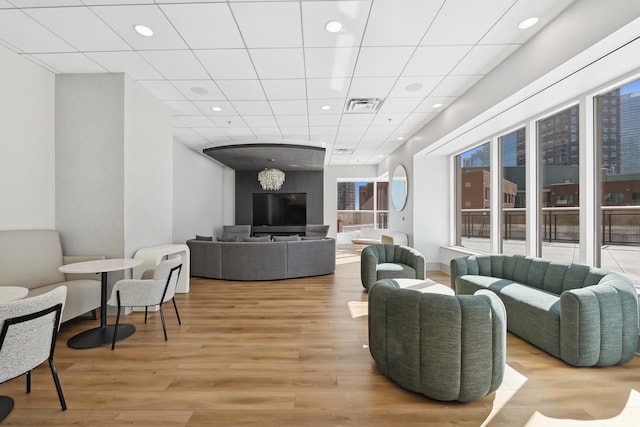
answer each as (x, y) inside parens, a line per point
(343, 151)
(363, 105)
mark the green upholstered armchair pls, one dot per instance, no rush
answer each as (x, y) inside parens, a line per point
(390, 262)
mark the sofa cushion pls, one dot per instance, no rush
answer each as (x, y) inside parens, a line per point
(204, 238)
(257, 239)
(292, 238)
(227, 239)
(311, 238)
(388, 270)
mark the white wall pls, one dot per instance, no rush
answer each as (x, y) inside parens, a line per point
(27, 159)
(330, 190)
(204, 195)
(148, 170)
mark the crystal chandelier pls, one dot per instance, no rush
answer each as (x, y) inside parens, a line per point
(271, 179)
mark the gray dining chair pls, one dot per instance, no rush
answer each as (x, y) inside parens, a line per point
(28, 332)
(154, 289)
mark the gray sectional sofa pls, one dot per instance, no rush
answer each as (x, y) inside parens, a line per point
(583, 315)
(262, 260)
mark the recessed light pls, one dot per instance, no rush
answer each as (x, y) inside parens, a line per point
(325, 107)
(438, 105)
(143, 30)
(414, 87)
(333, 26)
(528, 23)
(216, 108)
(400, 138)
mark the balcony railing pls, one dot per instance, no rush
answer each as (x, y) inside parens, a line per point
(620, 225)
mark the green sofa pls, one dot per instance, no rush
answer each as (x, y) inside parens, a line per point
(379, 262)
(445, 347)
(583, 315)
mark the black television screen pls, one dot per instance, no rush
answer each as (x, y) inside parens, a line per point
(279, 209)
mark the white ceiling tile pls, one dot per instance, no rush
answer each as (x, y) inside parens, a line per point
(427, 105)
(295, 132)
(123, 18)
(45, 3)
(335, 106)
(70, 62)
(20, 30)
(205, 26)
(351, 130)
(285, 89)
(266, 131)
(399, 105)
(226, 109)
(483, 58)
(228, 122)
(177, 123)
(455, 85)
(201, 90)
(276, 24)
(186, 1)
(239, 132)
(278, 63)
(79, 27)
(242, 90)
(196, 122)
(389, 119)
(418, 118)
(227, 63)
(407, 86)
(4, 4)
(253, 108)
(351, 14)
(287, 107)
(209, 132)
(330, 62)
(462, 22)
(291, 121)
(175, 64)
(324, 120)
(184, 132)
(382, 61)
(357, 119)
(183, 108)
(260, 121)
(126, 62)
(113, 2)
(163, 90)
(435, 60)
(381, 130)
(371, 87)
(399, 23)
(328, 88)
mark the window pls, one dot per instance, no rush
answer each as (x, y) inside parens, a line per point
(559, 184)
(473, 206)
(514, 190)
(362, 205)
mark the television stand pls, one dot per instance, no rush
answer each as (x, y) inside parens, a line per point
(277, 230)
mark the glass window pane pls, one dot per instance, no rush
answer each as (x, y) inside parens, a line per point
(474, 188)
(558, 142)
(619, 163)
(514, 192)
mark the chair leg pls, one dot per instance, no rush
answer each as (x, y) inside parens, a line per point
(146, 309)
(28, 381)
(164, 327)
(177, 314)
(115, 327)
(56, 380)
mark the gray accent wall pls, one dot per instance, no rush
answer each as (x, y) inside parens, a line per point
(310, 182)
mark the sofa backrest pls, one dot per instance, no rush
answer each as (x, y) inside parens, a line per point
(30, 258)
(551, 276)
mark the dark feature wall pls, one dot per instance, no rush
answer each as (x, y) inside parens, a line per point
(310, 182)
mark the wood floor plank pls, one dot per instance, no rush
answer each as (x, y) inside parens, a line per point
(294, 353)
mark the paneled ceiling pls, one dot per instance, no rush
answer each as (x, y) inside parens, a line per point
(244, 72)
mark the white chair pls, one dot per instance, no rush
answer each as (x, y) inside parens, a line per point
(28, 332)
(147, 292)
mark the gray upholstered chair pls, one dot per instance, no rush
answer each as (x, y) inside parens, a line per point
(316, 230)
(443, 346)
(147, 292)
(240, 232)
(390, 262)
(28, 332)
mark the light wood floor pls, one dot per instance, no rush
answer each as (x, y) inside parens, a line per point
(293, 353)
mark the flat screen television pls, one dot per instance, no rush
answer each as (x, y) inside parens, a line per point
(279, 209)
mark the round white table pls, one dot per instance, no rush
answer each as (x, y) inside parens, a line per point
(103, 334)
(9, 293)
(12, 293)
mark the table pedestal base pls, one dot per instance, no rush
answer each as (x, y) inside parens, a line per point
(6, 406)
(100, 336)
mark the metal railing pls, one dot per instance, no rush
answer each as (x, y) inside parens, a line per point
(620, 225)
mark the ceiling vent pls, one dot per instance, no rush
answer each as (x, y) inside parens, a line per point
(363, 105)
(343, 151)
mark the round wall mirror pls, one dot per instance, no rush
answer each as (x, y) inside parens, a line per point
(399, 187)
